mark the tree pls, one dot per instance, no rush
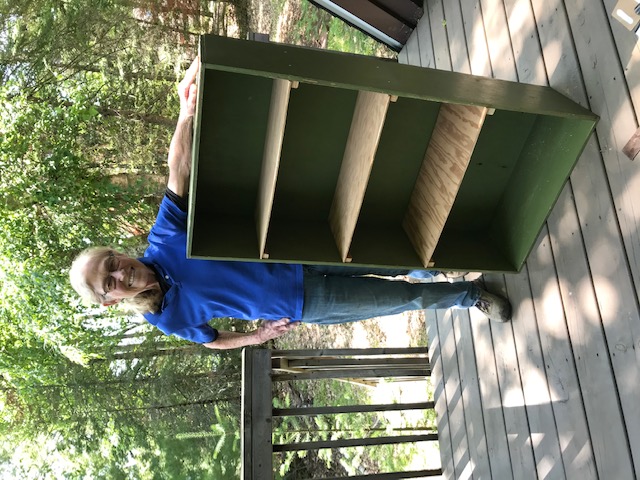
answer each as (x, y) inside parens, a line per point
(86, 103)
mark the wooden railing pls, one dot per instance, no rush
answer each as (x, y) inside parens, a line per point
(261, 368)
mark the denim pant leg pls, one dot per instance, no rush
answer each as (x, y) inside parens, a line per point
(349, 271)
(332, 299)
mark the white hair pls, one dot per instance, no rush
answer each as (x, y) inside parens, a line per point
(144, 302)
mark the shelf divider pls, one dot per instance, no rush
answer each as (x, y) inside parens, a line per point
(271, 159)
(362, 143)
(445, 163)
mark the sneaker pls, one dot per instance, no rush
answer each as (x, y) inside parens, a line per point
(496, 307)
(454, 275)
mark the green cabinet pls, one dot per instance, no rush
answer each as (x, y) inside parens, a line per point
(311, 156)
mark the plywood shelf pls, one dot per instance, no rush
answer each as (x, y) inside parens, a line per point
(369, 163)
(362, 143)
(271, 159)
(445, 163)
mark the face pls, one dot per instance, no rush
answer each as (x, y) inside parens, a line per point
(114, 276)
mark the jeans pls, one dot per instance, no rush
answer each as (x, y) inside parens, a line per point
(342, 294)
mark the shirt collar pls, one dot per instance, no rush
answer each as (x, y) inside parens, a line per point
(163, 278)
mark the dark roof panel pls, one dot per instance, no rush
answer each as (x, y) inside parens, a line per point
(388, 21)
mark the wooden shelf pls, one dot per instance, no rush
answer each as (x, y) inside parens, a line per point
(371, 162)
(271, 160)
(362, 143)
(445, 163)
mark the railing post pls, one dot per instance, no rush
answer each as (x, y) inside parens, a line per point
(255, 435)
(263, 367)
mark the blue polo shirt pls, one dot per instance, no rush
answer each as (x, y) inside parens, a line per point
(199, 290)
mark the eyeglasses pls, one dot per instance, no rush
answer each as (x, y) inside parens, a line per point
(111, 264)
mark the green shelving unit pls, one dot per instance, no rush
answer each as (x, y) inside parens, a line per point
(310, 156)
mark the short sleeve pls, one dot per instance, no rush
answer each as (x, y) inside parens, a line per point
(170, 222)
(182, 203)
(199, 334)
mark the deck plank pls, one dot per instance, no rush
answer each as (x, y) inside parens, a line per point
(476, 38)
(456, 38)
(524, 41)
(628, 48)
(412, 48)
(575, 338)
(589, 350)
(474, 59)
(513, 405)
(471, 398)
(442, 57)
(492, 411)
(498, 41)
(455, 405)
(535, 395)
(562, 378)
(535, 387)
(425, 43)
(439, 394)
(608, 97)
(600, 230)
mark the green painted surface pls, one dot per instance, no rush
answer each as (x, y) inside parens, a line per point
(316, 132)
(542, 170)
(360, 72)
(524, 155)
(503, 136)
(224, 238)
(470, 252)
(232, 130)
(403, 143)
(232, 134)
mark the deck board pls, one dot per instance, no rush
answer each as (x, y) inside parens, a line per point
(542, 422)
(628, 53)
(455, 404)
(439, 395)
(470, 391)
(495, 430)
(561, 374)
(557, 387)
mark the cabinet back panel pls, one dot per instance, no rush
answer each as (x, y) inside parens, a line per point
(232, 134)
(318, 122)
(401, 150)
(494, 159)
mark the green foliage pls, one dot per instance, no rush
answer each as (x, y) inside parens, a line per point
(317, 28)
(87, 109)
(344, 38)
(87, 112)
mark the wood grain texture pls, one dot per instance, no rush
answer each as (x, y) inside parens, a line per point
(447, 157)
(606, 89)
(563, 381)
(271, 159)
(362, 143)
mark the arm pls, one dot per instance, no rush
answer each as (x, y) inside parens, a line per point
(268, 330)
(180, 148)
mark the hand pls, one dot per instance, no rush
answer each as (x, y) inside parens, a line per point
(187, 90)
(271, 329)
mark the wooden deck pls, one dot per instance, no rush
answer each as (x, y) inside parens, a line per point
(555, 393)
